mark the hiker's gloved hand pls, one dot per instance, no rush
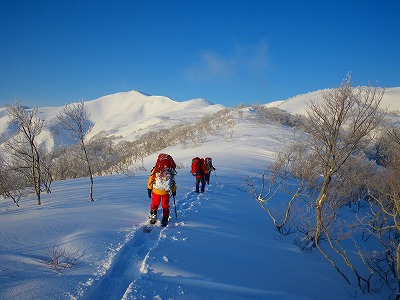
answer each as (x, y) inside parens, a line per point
(149, 193)
(174, 193)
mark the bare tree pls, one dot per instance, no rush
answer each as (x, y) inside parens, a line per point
(385, 224)
(11, 184)
(318, 167)
(75, 119)
(336, 127)
(24, 146)
(280, 171)
(60, 259)
(385, 207)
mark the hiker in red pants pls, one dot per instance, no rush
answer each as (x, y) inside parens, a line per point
(160, 185)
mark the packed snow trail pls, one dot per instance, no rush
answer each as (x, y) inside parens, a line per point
(126, 266)
(129, 271)
(163, 276)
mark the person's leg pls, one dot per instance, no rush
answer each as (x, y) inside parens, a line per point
(165, 207)
(198, 184)
(207, 178)
(155, 203)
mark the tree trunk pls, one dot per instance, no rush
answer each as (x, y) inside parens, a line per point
(36, 172)
(90, 171)
(319, 205)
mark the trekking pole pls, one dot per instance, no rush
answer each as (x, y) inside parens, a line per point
(176, 214)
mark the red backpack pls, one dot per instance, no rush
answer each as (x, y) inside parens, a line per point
(165, 163)
(197, 166)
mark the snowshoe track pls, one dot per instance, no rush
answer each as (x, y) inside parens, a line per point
(129, 270)
(128, 265)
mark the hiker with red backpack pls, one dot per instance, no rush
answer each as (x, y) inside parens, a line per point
(198, 170)
(208, 169)
(160, 186)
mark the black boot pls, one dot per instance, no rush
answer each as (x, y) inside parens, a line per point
(153, 216)
(164, 221)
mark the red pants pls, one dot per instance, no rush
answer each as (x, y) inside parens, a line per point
(155, 202)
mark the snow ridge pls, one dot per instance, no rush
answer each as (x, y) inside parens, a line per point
(298, 104)
(125, 114)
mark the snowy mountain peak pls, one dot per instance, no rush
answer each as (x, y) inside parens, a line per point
(123, 114)
(128, 113)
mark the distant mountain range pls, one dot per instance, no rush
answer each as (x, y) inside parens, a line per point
(127, 115)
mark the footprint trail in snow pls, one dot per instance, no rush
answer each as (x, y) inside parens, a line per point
(129, 274)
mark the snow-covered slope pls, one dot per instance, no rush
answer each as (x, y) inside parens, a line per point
(298, 104)
(125, 115)
(222, 245)
(130, 113)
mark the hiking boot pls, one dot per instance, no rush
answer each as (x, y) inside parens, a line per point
(164, 221)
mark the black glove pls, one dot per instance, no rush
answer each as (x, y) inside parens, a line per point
(149, 193)
(174, 193)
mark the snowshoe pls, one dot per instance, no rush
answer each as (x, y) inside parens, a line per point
(153, 217)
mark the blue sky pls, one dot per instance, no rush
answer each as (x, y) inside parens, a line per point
(54, 52)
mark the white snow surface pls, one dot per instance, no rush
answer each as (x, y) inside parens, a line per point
(298, 104)
(221, 245)
(124, 115)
